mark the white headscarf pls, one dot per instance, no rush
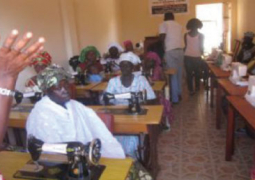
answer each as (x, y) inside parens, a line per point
(131, 57)
(117, 45)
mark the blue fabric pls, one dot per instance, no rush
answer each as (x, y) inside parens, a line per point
(129, 144)
(93, 78)
(174, 59)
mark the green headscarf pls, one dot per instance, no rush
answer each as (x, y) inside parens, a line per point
(51, 76)
(85, 51)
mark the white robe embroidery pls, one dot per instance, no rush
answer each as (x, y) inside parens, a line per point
(52, 123)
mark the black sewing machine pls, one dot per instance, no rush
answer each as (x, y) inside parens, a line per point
(134, 98)
(108, 67)
(80, 160)
(81, 79)
(74, 62)
(19, 96)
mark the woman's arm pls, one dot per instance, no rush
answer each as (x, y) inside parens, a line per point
(13, 59)
(185, 42)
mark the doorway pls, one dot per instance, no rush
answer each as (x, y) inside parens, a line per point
(211, 16)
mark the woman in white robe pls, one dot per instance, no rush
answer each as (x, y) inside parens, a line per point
(56, 118)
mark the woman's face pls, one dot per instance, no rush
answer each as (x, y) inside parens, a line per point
(113, 51)
(126, 68)
(60, 93)
(91, 56)
(129, 47)
(39, 68)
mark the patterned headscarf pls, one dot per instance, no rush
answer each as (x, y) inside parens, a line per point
(127, 42)
(85, 51)
(154, 57)
(42, 58)
(51, 76)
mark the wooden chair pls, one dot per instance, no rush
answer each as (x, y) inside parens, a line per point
(108, 119)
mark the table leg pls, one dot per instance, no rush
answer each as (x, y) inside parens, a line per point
(218, 107)
(230, 134)
(152, 164)
(212, 84)
(169, 85)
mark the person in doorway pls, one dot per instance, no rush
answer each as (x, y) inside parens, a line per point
(170, 33)
(194, 43)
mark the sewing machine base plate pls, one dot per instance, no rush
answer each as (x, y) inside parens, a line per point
(122, 111)
(52, 171)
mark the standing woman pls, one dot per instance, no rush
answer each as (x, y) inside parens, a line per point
(89, 56)
(194, 43)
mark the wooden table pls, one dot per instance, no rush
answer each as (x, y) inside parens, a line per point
(124, 124)
(116, 169)
(82, 88)
(230, 89)
(243, 108)
(157, 86)
(215, 73)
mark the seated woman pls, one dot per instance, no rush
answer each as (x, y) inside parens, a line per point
(247, 52)
(130, 49)
(56, 118)
(112, 57)
(128, 46)
(128, 82)
(89, 56)
(40, 62)
(152, 68)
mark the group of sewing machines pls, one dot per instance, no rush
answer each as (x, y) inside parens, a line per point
(238, 73)
(80, 158)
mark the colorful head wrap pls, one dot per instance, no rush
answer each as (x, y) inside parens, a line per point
(131, 57)
(51, 76)
(117, 45)
(249, 34)
(127, 42)
(153, 56)
(85, 51)
(42, 58)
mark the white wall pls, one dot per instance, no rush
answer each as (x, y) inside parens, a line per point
(67, 25)
(42, 17)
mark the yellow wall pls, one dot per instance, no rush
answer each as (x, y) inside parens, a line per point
(97, 22)
(138, 23)
(245, 17)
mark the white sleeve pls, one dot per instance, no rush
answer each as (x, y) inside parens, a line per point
(111, 86)
(41, 126)
(162, 29)
(111, 148)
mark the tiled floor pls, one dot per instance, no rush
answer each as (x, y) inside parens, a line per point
(195, 150)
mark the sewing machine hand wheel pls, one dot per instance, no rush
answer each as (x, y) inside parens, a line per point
(94, 151)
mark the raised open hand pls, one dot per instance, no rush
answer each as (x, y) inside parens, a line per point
(15, 56)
